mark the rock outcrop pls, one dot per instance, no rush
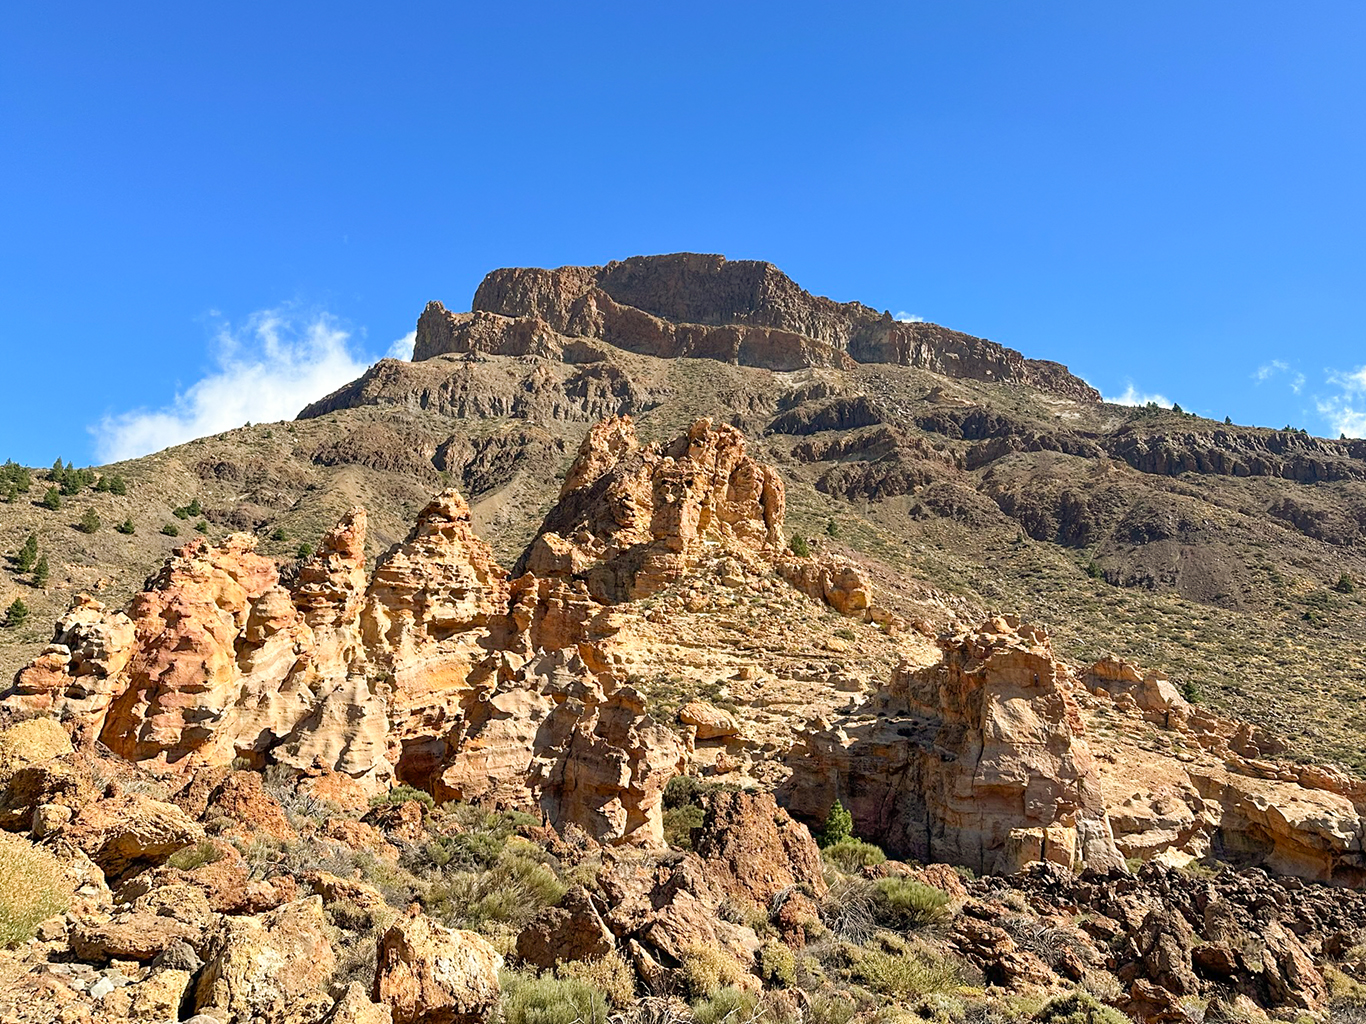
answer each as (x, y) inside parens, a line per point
(428, 974)
(633, 518)
(705, 306)
(980, 760)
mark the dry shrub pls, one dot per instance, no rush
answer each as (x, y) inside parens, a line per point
(33, 887)
(707, 969)
(609, 974)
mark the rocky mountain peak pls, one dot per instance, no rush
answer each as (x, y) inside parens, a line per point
(705, 306)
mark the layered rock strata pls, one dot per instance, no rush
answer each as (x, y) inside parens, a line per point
(705, 306)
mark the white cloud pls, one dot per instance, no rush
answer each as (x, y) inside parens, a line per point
(1345, 413)
(403, 347)
(1269, 370)
(1132, 396)
(909, 318)
(1297, 383)
(267, 370)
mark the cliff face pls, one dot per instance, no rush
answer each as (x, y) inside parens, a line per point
(705, 306)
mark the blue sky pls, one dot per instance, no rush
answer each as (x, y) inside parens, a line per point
(213, 213)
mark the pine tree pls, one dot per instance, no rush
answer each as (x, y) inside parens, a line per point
(839, 826)
(118, 486)
(17, 613)
(28, 554)
(40, 572)
(52, 499)
(126, 527)
(90, 521)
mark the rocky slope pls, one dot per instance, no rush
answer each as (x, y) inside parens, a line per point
(188, 763)
(525, 674)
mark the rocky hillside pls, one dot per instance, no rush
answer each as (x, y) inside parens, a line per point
(667, 641)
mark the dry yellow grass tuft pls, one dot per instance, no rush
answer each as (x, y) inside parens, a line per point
(33, 887)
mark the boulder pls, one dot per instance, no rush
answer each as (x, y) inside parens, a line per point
(125, 833)
(259, 966)
(753, 850)
(708, 721)
(571, 930)
(427, 974)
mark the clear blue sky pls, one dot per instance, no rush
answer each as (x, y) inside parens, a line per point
(209, 210)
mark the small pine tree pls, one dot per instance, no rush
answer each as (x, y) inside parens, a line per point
(103, 486)
(839, 826)
(194, 508)
(171, 530)
(305, 550)
(118, 486)
(28, 554)
(832, 528)
(90, 521)
(800, 547)
(126, 528)
(279, 534)
(17, 613)
(40, 572)
(201, 526)
(52, 499)
(1345, 584)
(1228, 421)
(1176, 408)
(181, 513)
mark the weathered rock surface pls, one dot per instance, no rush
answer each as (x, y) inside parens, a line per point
(427, 974)
(963, 761)
(753, 850)
(260, 965)
(704, 306)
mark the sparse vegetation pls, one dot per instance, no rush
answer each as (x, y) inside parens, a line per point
(33, 887)
(800, 546)
(852, 855)
(551, 1000)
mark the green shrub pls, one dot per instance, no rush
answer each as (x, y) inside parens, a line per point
(708, 969)
(832, 528)
(52, 499)
(852, 855)
(830, 1009)
(40, 572)
(1078, 1008)
(17, 613)
(1345, 584)
(839, 826)
(679, 823)
(904, 903)
(279, 534)
(551, 1000)
(1191, 691)
(195, 856)
(511, 893)
(906, 974)
(118, 486)
(777, 964)
(171, 530)
(304, 550)
(728, 1005)
(800, 547)
(201, 527)
(90, 521)
(845, 633)
(33, 887)
(401, 794)
(610, 974)
(126, 528)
